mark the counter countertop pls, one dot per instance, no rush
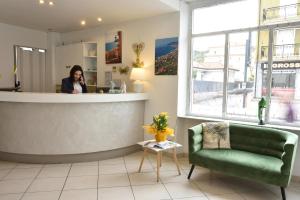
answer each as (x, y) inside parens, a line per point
(31, 97)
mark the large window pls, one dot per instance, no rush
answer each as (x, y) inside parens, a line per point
(208, 19)
(208, 68)
(230, 57)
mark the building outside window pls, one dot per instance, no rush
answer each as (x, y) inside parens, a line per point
(230, 57)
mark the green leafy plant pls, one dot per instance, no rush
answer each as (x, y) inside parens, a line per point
(123, 70)
(262, 104)
(160, 122)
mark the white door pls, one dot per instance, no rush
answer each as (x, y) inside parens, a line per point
(31, 64)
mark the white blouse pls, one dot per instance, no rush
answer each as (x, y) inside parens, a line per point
(77, 87)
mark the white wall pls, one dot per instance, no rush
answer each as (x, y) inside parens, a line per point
(162, 89)
(13, 35)
(53, 39)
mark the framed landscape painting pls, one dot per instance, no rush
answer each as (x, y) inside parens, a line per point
(113, 48)
(166, 56)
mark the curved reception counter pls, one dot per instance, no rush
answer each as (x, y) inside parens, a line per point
(57, 128)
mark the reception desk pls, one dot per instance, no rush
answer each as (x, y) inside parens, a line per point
(57, 128)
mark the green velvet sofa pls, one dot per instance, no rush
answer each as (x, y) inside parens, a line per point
(258, 153)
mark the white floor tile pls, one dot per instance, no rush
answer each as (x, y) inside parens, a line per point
(240, 185)
(113, 161)
(27, 166)
(58, 165)
(94, 163)
(86, 170)
(54, 195)
(194, 198)
(134, 168)
(166, 166)
(22, 173)
(10, 196)
(7, 165)
(292, 194)
(113, 180)
(4, 172)
(183, 190)
(261, 195)
(88, 194)
(214, 187)
(47, 184)
(115, 193)
(172, 177)
(81, 182)
(151, 192)
(54, 172)
(225, 197)
(14, 186)
(112, 169)
(148, 178)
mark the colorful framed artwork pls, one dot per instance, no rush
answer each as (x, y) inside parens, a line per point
(113, 48)
(166, 56)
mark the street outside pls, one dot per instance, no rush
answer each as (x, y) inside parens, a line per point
(212, 107)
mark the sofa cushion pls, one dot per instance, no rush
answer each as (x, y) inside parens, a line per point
(240, 162)
(216, 135)
(260, 140)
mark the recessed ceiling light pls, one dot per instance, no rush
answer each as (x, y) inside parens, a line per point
(99, 19)
(82, 22)
(42, 1)
(51, 3)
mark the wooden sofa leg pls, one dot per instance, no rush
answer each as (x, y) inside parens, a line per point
(283, 193)
(191, 171)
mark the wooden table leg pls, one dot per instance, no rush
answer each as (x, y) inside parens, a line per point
(176, 161)
(160, 159)
(143, 158)
(158, 165)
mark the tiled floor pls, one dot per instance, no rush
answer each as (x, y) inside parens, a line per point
(118, 179)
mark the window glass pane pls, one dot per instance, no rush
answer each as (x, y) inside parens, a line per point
(207, 75)
(247, 73)
(279, 11)
(242, 100)
(228, 16)
(285, 102)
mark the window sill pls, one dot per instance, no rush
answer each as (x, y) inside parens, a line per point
(283, 127)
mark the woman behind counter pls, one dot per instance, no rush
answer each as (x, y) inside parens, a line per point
(74, 84)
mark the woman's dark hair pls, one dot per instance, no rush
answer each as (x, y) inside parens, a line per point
(74, 69)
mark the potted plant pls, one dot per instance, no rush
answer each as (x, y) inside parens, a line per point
(159, 128)
(262, 104)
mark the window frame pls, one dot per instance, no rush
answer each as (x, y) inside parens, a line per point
(226, 33)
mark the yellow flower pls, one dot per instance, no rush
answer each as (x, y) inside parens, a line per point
(163, 114)
(169, 131)
(159, 125)
(150, 129)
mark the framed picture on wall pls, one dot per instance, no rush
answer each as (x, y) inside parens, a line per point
(166, 56)
(113, 48)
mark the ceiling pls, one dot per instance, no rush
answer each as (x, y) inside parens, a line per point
(65, 15)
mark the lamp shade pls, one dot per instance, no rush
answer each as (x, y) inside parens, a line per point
(137, 74)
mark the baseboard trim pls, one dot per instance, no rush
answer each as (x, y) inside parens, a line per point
(68, 158)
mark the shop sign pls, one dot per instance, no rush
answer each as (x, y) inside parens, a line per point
(283, 65)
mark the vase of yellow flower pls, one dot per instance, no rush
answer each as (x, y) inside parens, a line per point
(159, 128)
